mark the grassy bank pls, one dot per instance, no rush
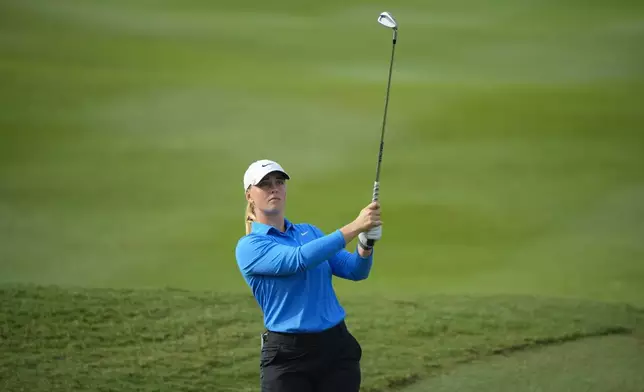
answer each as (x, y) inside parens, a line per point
(56, 339)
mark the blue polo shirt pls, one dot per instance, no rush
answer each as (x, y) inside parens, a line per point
(290, 274)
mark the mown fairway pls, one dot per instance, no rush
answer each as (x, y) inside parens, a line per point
(592, 365)
(513, 165)
(513, 157)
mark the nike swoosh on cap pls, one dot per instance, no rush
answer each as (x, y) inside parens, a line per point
(265, 164)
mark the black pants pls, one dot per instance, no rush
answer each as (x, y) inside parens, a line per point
(316, 362)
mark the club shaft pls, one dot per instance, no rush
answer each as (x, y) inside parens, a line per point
(376, 186)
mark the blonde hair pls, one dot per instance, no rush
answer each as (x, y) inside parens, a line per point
(250, 216)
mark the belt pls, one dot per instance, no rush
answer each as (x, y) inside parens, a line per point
(296, 338)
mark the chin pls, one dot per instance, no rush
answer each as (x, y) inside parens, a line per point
(272, 211)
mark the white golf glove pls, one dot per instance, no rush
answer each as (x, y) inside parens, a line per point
(374, 234)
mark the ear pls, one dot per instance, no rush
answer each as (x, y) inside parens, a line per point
(248, 198)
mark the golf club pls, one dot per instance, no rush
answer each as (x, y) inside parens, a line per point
(388, 21)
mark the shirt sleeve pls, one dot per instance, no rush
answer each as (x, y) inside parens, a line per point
(348, 265)
(351, 266)
(260, 255)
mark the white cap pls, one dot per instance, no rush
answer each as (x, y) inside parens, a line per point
(259, 169)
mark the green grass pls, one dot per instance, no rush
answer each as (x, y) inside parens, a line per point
(513, 151)
(592, 365)
(512, 179)
(56, 339)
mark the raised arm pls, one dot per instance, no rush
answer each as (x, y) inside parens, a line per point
(349, 265)
(259, 255)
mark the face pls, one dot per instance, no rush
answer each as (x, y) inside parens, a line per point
(269, 195)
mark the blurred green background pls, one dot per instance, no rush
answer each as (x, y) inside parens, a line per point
(513, 158)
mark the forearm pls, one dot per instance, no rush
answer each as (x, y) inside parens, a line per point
(350, 231)
(260, 256)
(321, 249)
(351, 265)
(363, 261)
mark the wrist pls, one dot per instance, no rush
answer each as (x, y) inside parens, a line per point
(364, 254)
(363, 243)
(350, 231)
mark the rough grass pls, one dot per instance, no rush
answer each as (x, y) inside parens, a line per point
(59, 339)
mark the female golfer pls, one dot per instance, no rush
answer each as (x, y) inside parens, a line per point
(289, 267)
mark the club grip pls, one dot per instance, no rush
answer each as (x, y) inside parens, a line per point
(376, 194)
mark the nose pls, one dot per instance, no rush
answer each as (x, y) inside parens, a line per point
(273, 186)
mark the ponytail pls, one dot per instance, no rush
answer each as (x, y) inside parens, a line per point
(250, 216)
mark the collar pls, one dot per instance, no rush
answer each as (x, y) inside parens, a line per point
(262, 228)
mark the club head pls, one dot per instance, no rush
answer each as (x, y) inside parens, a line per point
(387, 20)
